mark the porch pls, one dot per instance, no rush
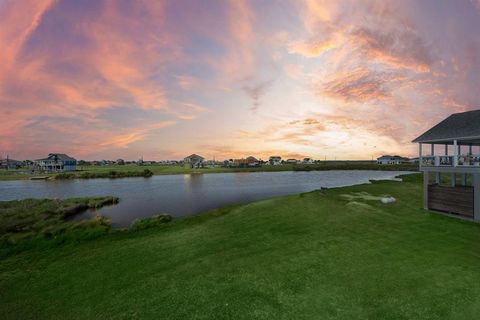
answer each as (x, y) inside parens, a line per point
(449, 157)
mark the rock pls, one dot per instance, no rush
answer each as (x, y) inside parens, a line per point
(387, 200)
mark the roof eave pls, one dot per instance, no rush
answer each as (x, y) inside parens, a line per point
(445, 140)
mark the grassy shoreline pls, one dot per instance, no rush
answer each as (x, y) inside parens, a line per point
(123, 171)
(332, 254)
(30, 223)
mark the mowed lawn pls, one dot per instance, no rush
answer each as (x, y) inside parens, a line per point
(335, 254)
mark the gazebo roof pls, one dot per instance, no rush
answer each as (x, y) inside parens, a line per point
(464, 127)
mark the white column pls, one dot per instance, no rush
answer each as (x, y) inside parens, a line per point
(436, 160)
(455, 153)
(420, 158)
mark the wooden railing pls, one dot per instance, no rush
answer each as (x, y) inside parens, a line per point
(448, 161)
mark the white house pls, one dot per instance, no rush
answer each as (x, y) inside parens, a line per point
(57, 162)
(252, 161)
(193, 161)
(387, 159)
(275, 160)
(308, 160)
(451, 149)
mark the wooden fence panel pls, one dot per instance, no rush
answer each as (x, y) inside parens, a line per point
(458, 200)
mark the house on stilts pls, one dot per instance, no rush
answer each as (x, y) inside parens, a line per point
(449, 157)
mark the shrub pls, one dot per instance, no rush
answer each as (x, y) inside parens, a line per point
(150, 222)
(147, 173)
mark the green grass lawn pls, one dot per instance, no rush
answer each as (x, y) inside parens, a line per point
(335, 254)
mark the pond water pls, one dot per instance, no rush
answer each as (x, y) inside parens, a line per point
(182, 195)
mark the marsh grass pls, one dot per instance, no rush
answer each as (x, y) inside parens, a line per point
(27, 223)
(111, 174)
(150, 222)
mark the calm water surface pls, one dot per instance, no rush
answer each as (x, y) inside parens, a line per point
(181, 195)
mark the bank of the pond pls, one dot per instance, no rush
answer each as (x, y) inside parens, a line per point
(182, 195)
(330, 254)
(125, 171)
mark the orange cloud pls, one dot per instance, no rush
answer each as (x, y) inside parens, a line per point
(19, 20)
(359, 85)
(311, 49)
(395, 48)
(124, 140)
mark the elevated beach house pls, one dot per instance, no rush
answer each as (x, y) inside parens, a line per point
(449, 158)
(193, 161)
(56, 162)
(387, 159)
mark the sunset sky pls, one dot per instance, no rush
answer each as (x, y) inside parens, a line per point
(164, 79)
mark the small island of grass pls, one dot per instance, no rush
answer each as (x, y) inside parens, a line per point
(30, 221)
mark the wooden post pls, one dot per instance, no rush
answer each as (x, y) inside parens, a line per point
(476, 196)
(446, 149)
(455, 153)
(464, 179)
(453, 179)
(437, 177)
(425, 189)
(432, 149)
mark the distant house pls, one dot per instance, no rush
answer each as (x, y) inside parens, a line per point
(193, 161)
(252, 161)
(275, 160)
(57, 162)
(120, 162)
(387, 159)
(239, 163)
(10, 164)
(307, 160)
(291, 161)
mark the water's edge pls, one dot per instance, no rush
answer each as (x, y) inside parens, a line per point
(183, 195)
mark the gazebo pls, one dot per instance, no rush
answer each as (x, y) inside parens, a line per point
(451, 170)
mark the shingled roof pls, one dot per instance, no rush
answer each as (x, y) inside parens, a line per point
(58, 156)
(463, 126)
